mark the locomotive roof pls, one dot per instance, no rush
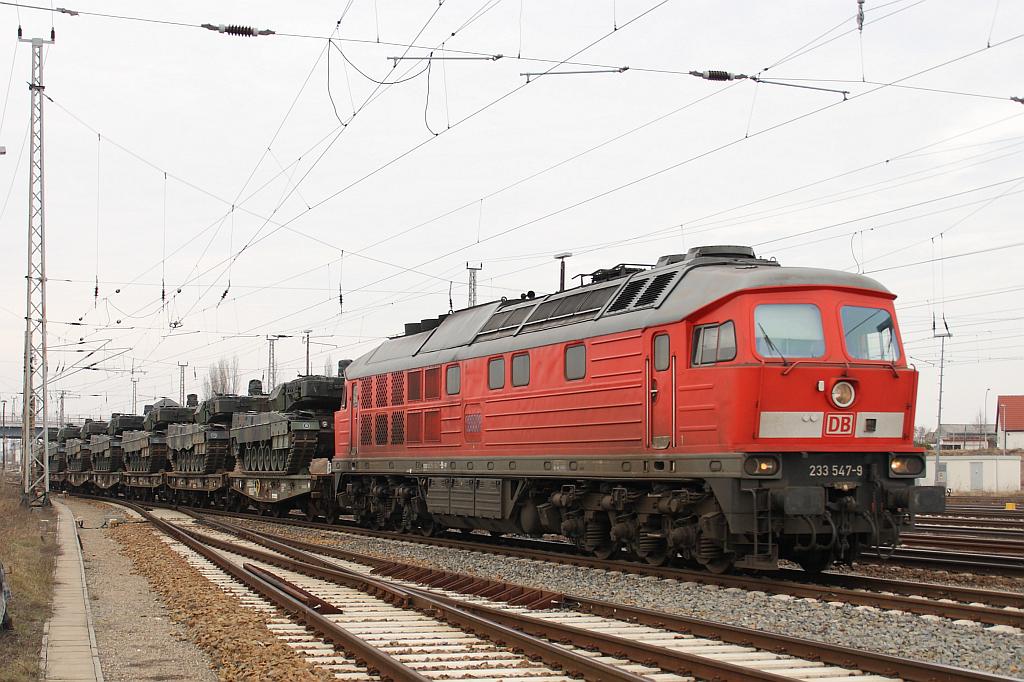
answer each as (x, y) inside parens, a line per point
(671, 291)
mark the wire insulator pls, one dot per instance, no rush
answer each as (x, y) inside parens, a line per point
(714, 75)
(237, 30)
(860, 15)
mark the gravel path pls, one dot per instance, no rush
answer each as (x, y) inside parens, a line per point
(928, 638)
(137, 638)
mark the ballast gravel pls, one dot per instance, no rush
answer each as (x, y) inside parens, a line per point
(234, 639)
(863, 627)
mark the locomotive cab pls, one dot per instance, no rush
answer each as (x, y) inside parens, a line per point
(820, 399)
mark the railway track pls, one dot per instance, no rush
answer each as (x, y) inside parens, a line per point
(984, 606)
(620, 643)
(967, 543)
(400, 630)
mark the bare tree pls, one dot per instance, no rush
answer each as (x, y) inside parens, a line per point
(981, 427)
(920, 434)
(329, 367)
(222, 378)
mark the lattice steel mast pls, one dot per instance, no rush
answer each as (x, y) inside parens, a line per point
(35, 463)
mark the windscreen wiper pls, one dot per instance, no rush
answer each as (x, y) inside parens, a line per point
(771, 344)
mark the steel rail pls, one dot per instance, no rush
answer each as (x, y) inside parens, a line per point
(967, 542)
(374, 659)
(920, 604)
(571, 662)
(842, 587)
(867, 661)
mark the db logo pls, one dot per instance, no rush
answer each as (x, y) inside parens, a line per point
(839, 424)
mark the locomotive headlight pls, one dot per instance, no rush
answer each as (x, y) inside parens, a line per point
(906, 465)
(323, 424)
(843, 394)
(761, 466)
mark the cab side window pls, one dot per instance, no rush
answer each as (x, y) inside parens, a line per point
(713, 343)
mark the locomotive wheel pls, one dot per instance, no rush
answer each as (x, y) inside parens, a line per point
(653, 553)
(604, 551)
(427, 528)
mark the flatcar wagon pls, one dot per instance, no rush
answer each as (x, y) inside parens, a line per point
(716, 408)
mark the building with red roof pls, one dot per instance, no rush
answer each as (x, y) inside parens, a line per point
(1010, 422)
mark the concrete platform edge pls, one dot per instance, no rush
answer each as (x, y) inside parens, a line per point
(68, 535)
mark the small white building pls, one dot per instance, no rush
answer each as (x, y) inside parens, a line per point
(975, 473)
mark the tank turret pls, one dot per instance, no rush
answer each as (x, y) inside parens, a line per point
(307, 393)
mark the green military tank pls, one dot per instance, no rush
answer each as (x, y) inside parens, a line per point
(204, 447)
(146, 451)
(80, 449)
(107, 452)
(59, 451)
(298, 427)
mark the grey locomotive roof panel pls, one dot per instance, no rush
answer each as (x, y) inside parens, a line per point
(696, 283)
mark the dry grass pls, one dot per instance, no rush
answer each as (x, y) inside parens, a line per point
(28, 549)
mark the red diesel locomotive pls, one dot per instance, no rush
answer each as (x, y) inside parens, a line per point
(716, 408)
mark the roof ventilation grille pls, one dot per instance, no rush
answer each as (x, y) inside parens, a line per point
(626, 296)
(654, 290)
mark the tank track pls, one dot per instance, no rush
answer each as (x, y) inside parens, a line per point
(107, 464)
(210, 462)
(301, 449)
(152, 463)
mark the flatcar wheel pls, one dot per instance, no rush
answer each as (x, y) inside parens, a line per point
(719, 565)
(604, 551)
(814, 561)
(427, 528)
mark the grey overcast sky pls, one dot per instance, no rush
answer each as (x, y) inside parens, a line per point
(276, 197)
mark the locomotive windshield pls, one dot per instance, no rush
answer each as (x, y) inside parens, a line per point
(869, 334)
(789, 330)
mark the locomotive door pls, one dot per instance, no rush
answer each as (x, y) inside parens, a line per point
(661, 391)
(353, 420)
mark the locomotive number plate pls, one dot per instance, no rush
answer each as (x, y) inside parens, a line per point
(835, 470)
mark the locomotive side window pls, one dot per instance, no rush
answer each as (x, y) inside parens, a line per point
(869, 334)
(661, 352)
(452, 380)
(788, 330)
(714, 343)
(496, 373)
(521, 369)
(575, 362)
